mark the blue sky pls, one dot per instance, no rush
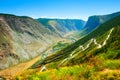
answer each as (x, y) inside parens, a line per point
(71, 9)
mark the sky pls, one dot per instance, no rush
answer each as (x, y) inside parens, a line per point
(65, 9)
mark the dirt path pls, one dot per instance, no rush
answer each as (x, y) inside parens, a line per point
(15, 70)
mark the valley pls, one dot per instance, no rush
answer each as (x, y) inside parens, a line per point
(59, 39)
(59, 49)
(23, 38)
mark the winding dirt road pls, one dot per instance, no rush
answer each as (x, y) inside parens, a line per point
(93, 40)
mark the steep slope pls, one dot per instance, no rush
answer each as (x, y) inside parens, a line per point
(6, 48)
(95, 21)
(23, 38)
(62, 26)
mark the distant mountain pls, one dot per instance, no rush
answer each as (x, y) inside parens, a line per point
(62, 26)
(95, 21)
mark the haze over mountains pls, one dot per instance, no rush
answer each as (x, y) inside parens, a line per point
(23, 38)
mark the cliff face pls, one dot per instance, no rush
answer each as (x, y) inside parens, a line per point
(95, 21)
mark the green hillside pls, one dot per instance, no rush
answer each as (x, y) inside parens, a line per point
(101, 30)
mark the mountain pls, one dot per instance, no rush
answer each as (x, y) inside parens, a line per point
(62, 26)
(95, 21)
(23, 38)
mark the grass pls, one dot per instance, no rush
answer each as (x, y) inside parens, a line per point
(96, 69)
(60, 45)
(112, 64)
(60, 74)
(91, 64)
(107, 75)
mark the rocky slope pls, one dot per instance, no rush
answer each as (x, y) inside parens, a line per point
(23, 38)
